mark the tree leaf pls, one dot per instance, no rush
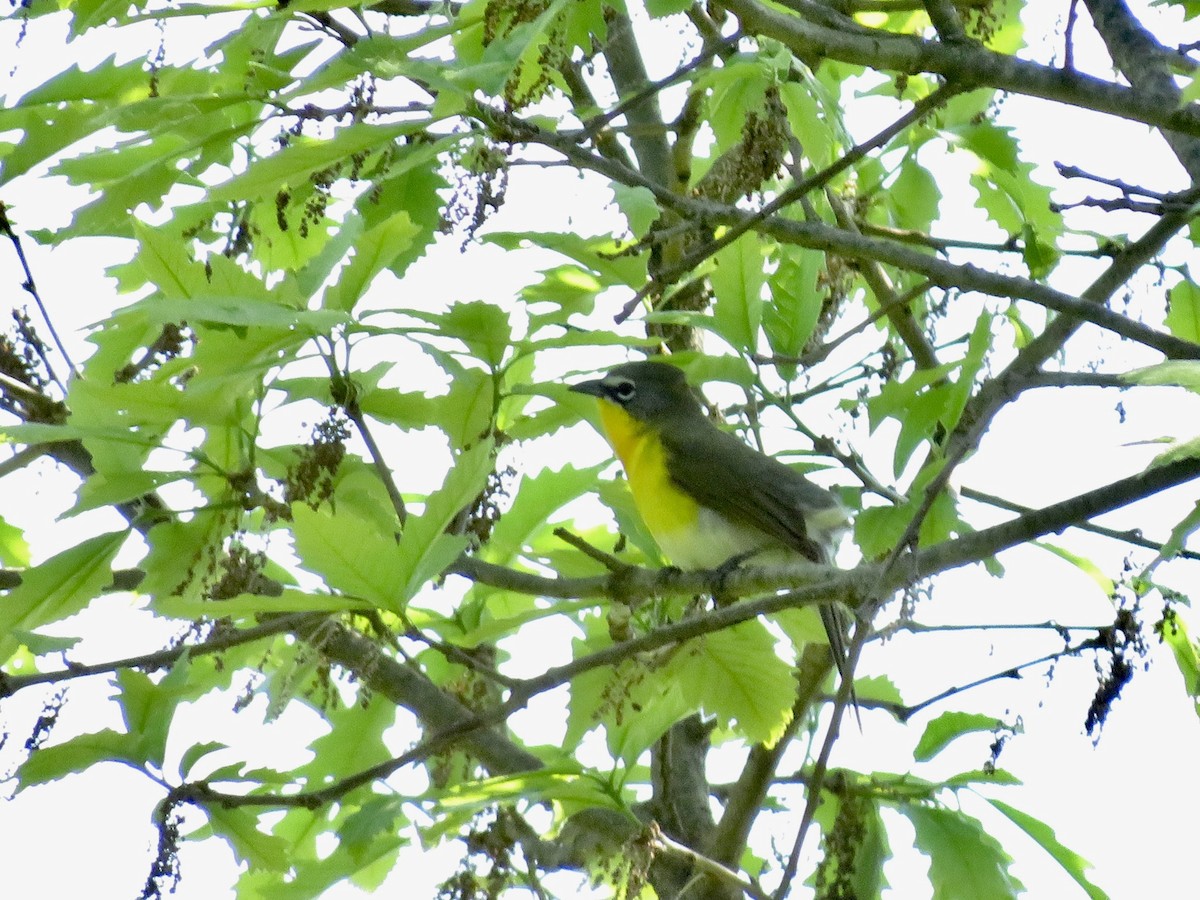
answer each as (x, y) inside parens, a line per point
(1180, 372)
(193, 754)
(351, 555)
(950, 726)
(791, 317)
(1175, 635)
(79, 753)
(1085, 565)
(426, 549)
(14, 550)
(1183, 311)
(737, 283)
(964, 860)
(59, 587)
(250, 844)
(1072, 863)
(536, 498)
(736, 675)
(294, 164)
(914, 196)
(374, 251)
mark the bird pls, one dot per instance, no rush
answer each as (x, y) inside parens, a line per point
(708, 499)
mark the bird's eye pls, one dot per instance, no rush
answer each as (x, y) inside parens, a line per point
(623, 391)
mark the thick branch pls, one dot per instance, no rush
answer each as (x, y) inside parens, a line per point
(1146, 63)
(961, 62)
(648, 134)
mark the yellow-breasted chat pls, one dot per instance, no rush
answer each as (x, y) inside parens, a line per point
(706, 497)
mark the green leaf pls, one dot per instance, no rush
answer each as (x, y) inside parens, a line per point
(736, 675)
(378, 818)
(600, 255)
(148, 707)
(250, 844)
(950, 726)
(425, 547)
(737, 283)
(167, 264)
(1072, 863)
(560, 781)
(1183, 311)
(659, 8)
(193, 754)
(1187, 655)
(736, 88)
(41, 644)
(350, 554)
(1183, 529)
(879, 688)
(638, 205)
(354, 741)
(465, 414)
(483, 327)
(14, 549)
(807, 118)
(964, 860)
(1085, 565)
(791, 316)
(76, 755)
(919, 403)
(1179, 372)
(982, 776)
(374, 251)
(59, 587)
(536, 499)
(877, 529)
(296, 163)
(914, 196)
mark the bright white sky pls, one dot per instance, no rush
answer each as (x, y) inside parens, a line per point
(1120, 804)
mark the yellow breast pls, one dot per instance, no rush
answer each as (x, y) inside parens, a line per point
(670, 514)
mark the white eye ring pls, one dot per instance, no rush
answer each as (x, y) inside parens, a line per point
(624, 391)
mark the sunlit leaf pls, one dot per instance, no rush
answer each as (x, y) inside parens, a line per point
(59, 587)
(738, 283)
(964, 860)
(1072, 863)
(736, 675)
(950, 726)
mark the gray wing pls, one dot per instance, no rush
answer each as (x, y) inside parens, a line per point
(753, 489)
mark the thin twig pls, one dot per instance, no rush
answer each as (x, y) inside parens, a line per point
(10, 684)
(30, 287)
(1131, 536)
(1012, 672)
(607, 560)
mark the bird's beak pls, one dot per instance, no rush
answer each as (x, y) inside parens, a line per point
(595, 388)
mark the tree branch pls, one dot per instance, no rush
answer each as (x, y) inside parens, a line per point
(648, 135)
(1147, 64)
(222, 640)
(943, 274)
(963, 63)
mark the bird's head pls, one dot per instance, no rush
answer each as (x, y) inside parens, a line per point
(647, 391)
